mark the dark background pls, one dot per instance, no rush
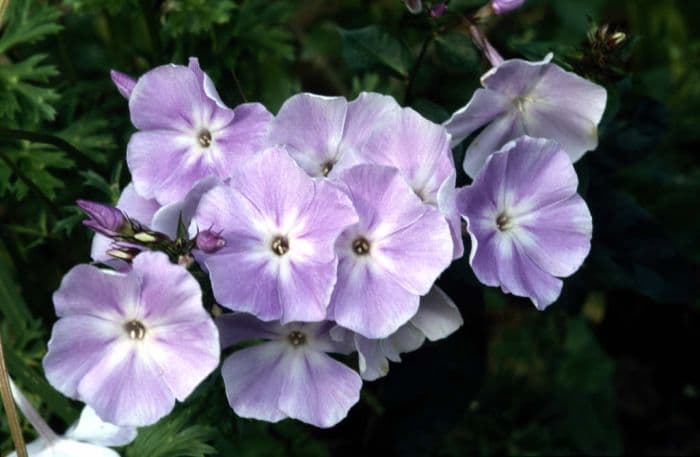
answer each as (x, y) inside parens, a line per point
(612, 368)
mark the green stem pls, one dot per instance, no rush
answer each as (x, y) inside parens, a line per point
(39, 193)
(10, 410)
(408, 96)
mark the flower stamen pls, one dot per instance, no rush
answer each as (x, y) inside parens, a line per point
(360, 246)
(280, 245)
(296, 338)
(135, 329)
(204, 138)
(504, 222)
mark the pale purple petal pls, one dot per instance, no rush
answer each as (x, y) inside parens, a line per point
(368, 301)
(558, 237)
(91, 429)
(368, 112)
(505, 6)
(317, 389)
(447, 204)
(418, 148)
(515, 77)
(483, 108)
(416, 255)
(311, 127)
(169, 293)
(499, 132)
(88, 290)
(373, 364)
(414, 6)
(254, 378)
(125, 83)
(244, 137)
(305, 288)
(205, 81)
(235, 328)
(77, 344)
(186, 353)
(168, 97)
(406, 339)
(438, 316)
(126, 388)
(167, 218)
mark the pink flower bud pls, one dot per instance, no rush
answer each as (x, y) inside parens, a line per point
(104, 219)
(209, 241)
(438, 9)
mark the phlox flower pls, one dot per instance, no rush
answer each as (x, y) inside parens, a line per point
(279, 227)
(391, 257)
(538, 99)
(186, 133)
(420, 150)
(89, 437)
(527, 223)
(324, 134)
(290, 374)
(129, 344)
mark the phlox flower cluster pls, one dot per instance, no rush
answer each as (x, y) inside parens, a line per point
(321, 232)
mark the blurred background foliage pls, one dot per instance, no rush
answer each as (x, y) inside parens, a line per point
(612, 368)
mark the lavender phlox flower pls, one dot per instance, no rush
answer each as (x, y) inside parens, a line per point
(290, 374)
(186, 133)
(129, 344)
(89, 437)
(391, 257)
(104, 219)
(324, 134)
(527, 223)
(420, 150)
(538, 99)
(280, 226)
(437, 318)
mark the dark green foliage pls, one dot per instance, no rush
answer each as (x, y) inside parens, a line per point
(609, 369)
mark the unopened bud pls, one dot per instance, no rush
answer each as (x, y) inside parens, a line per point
(123, 253)
(104, 219)
(438, 9)
(125, 83)
(505, 6)
(209, 241)
(414, 6)
(145, 237)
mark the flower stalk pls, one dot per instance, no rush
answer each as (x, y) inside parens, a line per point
(9, 405)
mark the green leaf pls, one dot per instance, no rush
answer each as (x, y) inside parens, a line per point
(371, 47)
(28, 22)
(172, 437)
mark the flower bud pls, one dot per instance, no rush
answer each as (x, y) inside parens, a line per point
(104, 219)
(209, 241)
(414, 6)
(505, 6)
(438, 9)
(125, 83)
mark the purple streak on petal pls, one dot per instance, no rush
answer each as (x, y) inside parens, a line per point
(125, 83)
(317, 389)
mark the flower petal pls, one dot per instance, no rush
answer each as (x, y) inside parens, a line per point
(317, 389)
(311, 127)
(406, 339)
(167, 218)
(88, 290)
(438, 316)
(373, 364)
(244, 137)
(368, 301)
(254, 378)
(125, 387)
(235, 328)
(91, 429)
(447, 204)
(558, 237)
(485, 106)
(502, 130)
